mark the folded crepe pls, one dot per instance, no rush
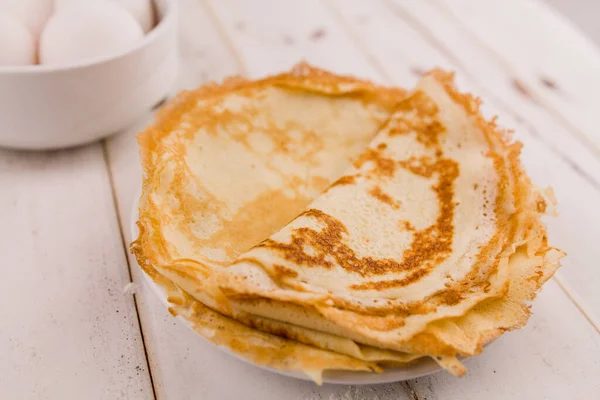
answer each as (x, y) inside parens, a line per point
(419, 231)
(414, 230)
(227, 165)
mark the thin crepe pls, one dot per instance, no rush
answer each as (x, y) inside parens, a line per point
(227, 165)
(422, 237)
(258, 347)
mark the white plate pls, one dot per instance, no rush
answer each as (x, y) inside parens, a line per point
(422, 367)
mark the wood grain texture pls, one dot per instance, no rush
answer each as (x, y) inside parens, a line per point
(583, 13)
(556, 356)
(181, 362)
(558, 66)
(496, 77)
(272, 41)
(67, 330)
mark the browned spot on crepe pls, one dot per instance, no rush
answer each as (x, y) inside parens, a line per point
(284, 272)
(380, 195)
(541, 206)
(420, 117)
(381, 165)
(429, 247)
(407, 226)
(344, 180)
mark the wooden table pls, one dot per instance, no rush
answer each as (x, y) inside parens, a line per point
(69, 331)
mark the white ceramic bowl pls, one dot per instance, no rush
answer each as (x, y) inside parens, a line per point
(48, 107)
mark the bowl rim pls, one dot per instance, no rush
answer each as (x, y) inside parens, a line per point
(162, 25)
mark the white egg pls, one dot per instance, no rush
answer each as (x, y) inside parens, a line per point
(17, 46)
(33, 13)
(141, 10)
(86, 31)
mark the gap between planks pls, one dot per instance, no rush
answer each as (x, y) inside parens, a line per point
(107, 165)
(575, 299)
(502, 105)
(576, 132)
(222, 32)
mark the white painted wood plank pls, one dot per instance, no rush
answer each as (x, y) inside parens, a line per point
(555, 357)
(548, 160)
(204, 55)
(495, 76)
(67, 330)
(271, 35)
(558, 65)
(583, 13)
(183, 365)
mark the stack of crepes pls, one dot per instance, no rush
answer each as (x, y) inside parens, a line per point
(310, 222)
